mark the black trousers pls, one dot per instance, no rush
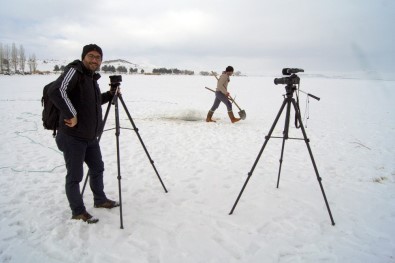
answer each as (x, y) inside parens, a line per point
(76, 151)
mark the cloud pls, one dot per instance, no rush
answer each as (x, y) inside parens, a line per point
(255, 34)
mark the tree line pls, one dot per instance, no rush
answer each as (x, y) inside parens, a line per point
(107, 69)
(172, 71)
(124, 70)
(120, 69)
(13, 59)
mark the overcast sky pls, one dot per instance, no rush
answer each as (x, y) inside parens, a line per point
(254, 36)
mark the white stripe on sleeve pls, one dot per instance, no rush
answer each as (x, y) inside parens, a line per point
(63, 89)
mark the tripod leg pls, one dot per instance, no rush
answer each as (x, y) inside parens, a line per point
(142, 143)
(117, 133)
(259, 155)
(281, 162)
(104, 123)
(285, 137)
(312, 160)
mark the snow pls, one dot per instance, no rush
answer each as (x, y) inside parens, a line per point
(204, 166)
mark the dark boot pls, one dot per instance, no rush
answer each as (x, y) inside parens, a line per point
(232, 117)
(209, 116)
(108, 204)
(86, 217)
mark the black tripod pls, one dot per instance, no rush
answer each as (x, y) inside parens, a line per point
(288, 100)
(118, 96)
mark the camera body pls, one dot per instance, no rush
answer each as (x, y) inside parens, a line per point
(115, 79)
(292, 80)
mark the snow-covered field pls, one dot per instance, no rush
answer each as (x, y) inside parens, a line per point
(204, 165)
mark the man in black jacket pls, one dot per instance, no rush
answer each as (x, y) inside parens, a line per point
(77, 95)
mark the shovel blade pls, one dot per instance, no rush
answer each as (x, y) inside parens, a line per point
(242, 114)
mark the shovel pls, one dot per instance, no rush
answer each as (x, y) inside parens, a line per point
(242, 113)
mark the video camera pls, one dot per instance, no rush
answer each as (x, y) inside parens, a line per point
(115, 81)
(292, 80)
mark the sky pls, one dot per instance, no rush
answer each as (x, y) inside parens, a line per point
(254, 36)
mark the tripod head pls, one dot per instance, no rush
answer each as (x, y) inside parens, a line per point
(290, 88)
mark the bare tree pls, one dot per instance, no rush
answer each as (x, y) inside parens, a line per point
(1, 57)
(22, 58)
(14, 57)
(6, 57)
(32, 63)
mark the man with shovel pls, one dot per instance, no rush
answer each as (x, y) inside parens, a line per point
(222, 95)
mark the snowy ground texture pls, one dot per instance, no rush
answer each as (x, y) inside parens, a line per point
(204, 165)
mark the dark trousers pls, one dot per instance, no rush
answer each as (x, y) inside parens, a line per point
(76, 151)
(220, 97)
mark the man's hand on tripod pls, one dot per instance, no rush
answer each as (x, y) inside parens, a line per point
(115, 91)
(71, 122)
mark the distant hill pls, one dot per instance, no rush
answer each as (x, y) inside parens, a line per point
(49, 64)
(120, 62)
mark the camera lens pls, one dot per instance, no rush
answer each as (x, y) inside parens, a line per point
(280, 81)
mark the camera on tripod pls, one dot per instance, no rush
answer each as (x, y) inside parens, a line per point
(292, 84)
(115, 81)
(292, 80)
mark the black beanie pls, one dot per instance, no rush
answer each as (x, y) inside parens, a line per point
(89, 48)
(229, 69)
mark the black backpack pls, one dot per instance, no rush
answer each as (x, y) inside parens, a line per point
(50, 115)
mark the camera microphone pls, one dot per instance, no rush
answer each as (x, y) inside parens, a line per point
(289, 71)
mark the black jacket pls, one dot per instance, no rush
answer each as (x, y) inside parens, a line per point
(76, 93)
